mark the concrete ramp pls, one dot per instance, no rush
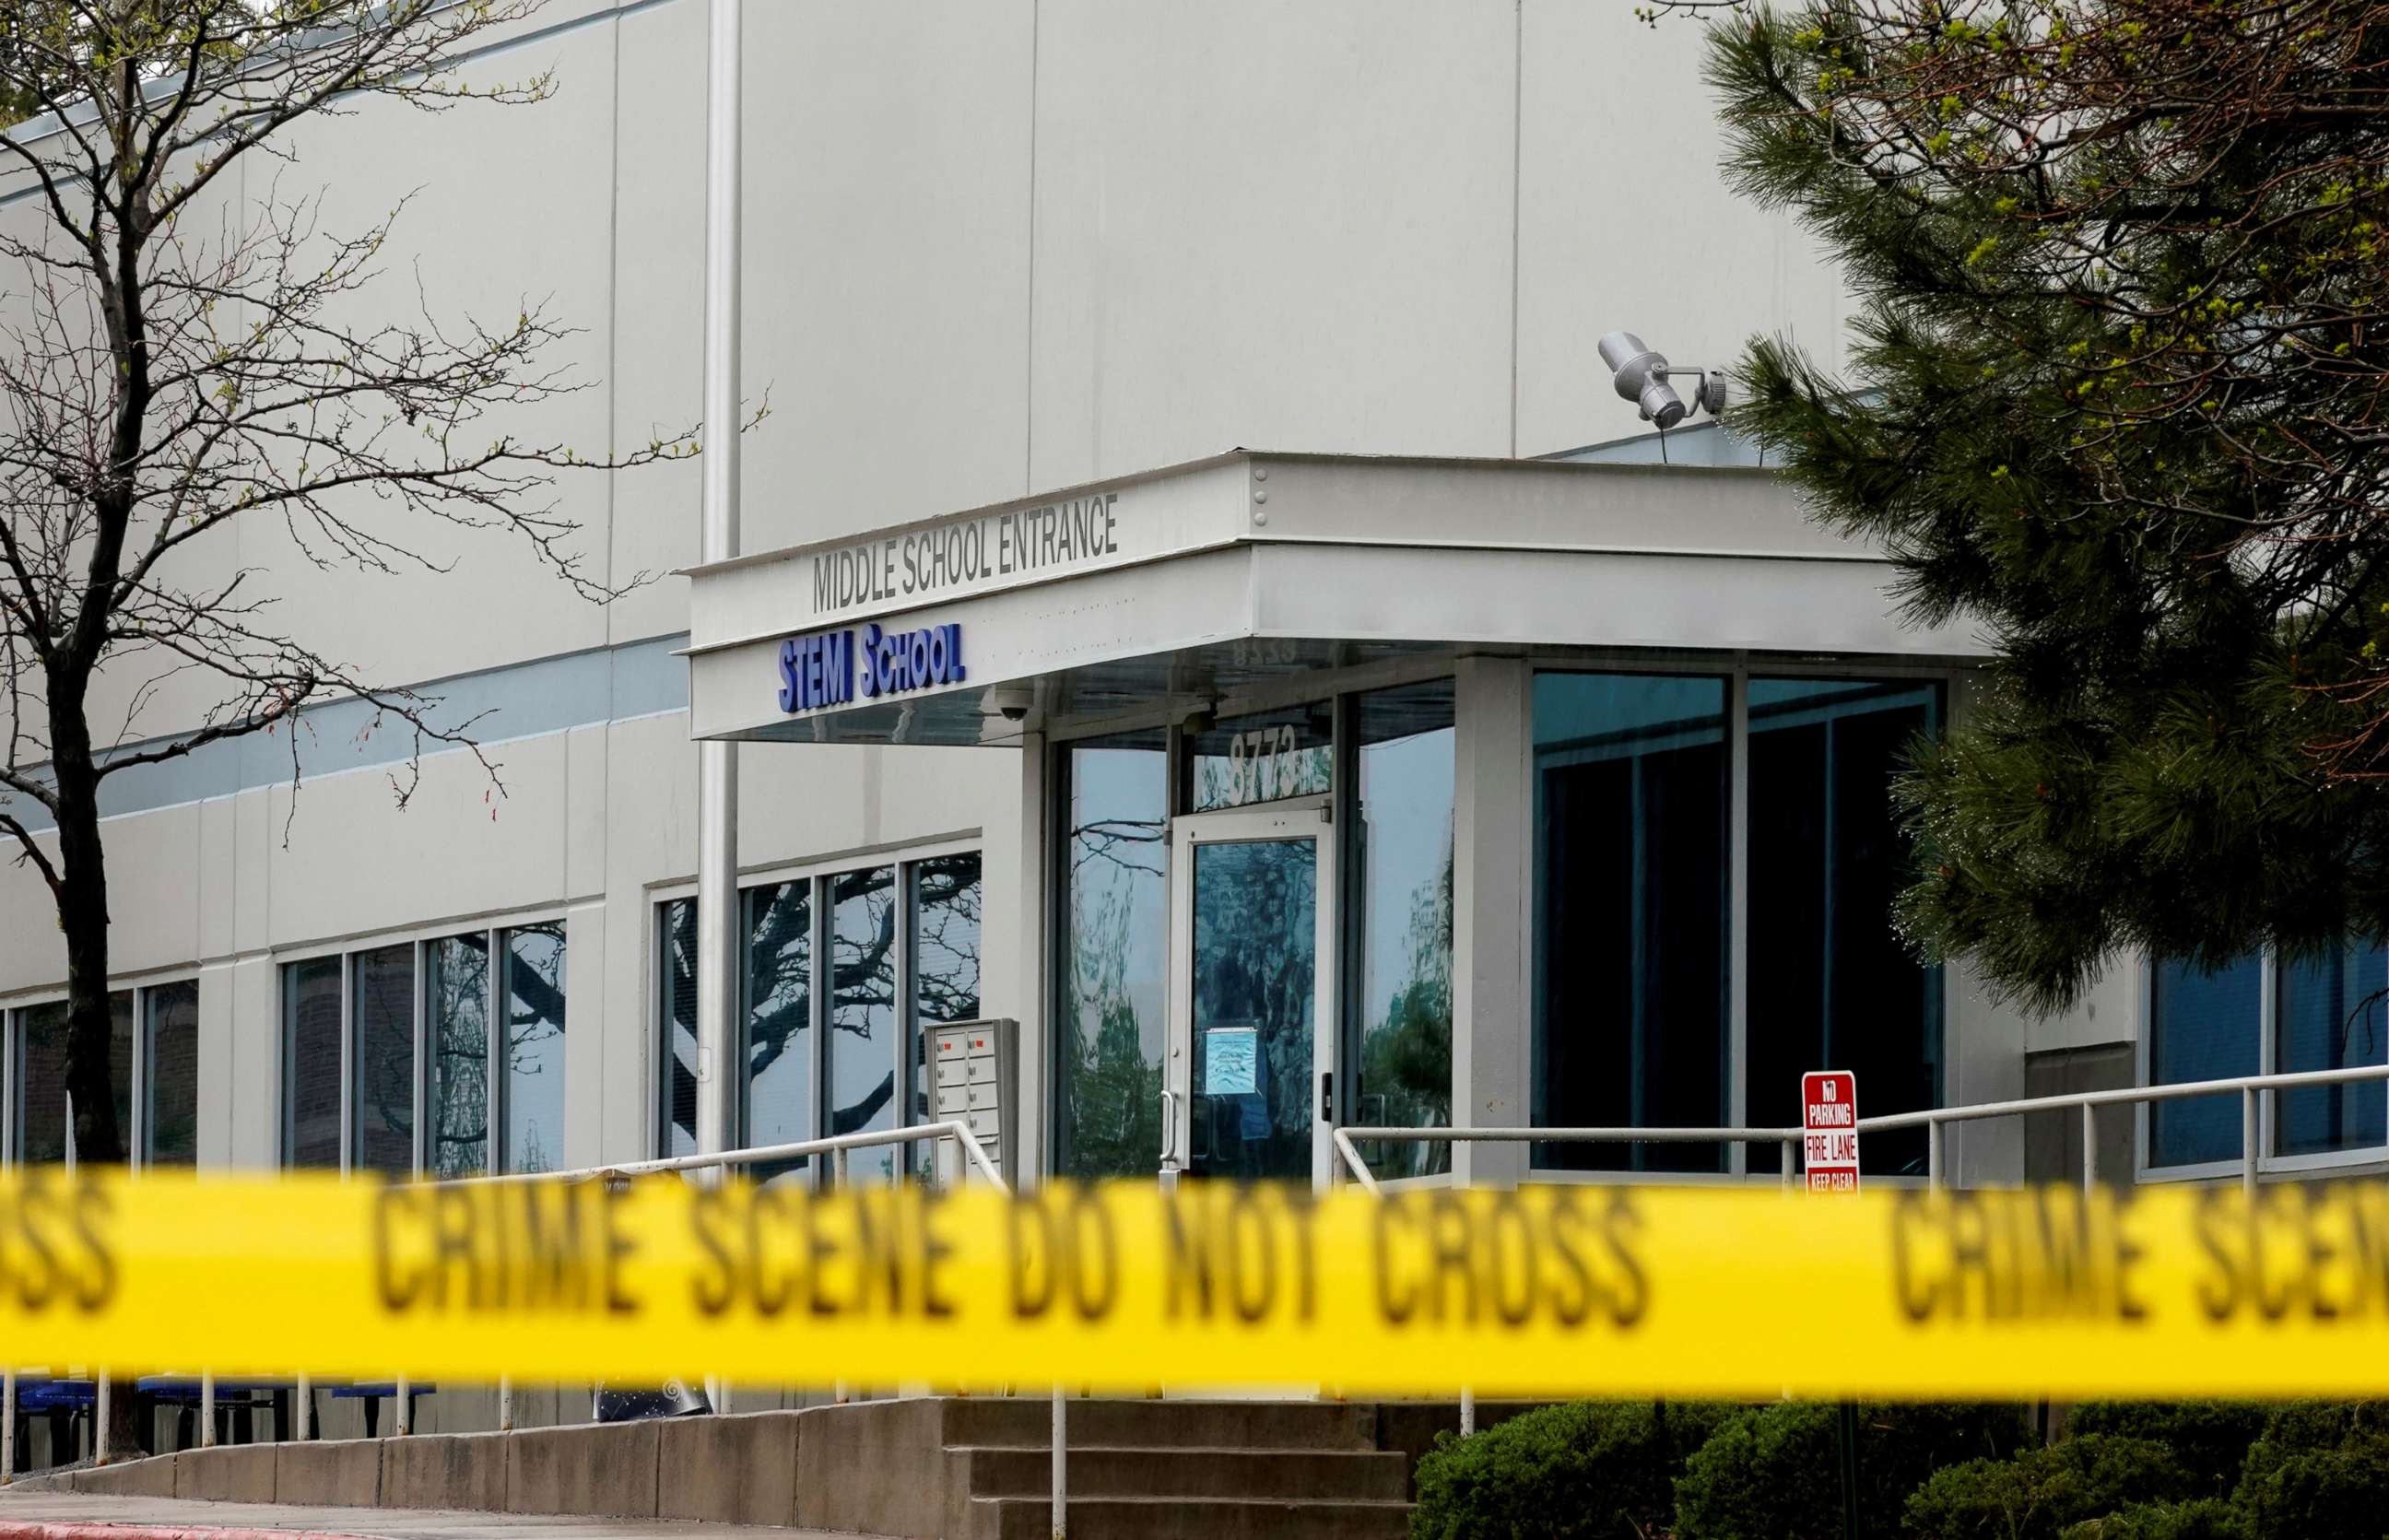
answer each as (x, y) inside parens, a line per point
(950, 1468)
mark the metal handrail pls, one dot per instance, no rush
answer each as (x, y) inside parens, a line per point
(834, 1145)
(2251, 1088)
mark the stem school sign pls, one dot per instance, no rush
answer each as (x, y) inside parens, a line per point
(833, 668)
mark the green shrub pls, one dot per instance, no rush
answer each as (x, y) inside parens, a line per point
(2042, 1491)
(1588, 1468)
(2200, 1518)
(2209, 1439)
(1774, 1473)
(2295, 1491)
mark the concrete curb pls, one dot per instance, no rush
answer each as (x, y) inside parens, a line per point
(34, 1529)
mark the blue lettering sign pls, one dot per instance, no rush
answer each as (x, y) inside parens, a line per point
(830, 668)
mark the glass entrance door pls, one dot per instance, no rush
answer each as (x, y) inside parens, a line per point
(1252, 1002)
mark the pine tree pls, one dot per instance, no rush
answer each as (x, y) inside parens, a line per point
(2114, 398)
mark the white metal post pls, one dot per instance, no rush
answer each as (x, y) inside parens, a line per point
(100, 1410)
(505, 1404)
(302, 1411)
(716, 791)
(405, 1399)
(1061, 1453)
(2249, 1131)
(1932, 1153)
(2089, 1148)
(207, 1409)
(8, 1426)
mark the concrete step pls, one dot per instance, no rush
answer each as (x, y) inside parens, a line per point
(1190, 1518)
(1364, 1475)
(1027, 1422)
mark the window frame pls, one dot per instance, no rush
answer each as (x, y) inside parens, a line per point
(12, 1046)
(419, 940)
(816, 871)
(2269, 1162)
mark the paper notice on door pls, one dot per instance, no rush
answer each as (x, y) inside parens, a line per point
(1232, 1061)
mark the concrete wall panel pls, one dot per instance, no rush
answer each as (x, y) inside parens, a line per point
(1625, 223)
(887, 261)
(1273, 226)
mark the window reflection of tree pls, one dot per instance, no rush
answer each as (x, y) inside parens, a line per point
(534, 1038)
(385, 1031)
(861, 1007)
(1256, 963)
(1406, 1053)
(1114, 1086)
(680, 1028)
(460, 1020)
(862, 995)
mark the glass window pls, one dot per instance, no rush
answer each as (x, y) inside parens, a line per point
(676, 1086)
(1266, 757)
(41, 1083)
(120, 1066)
(2331, 1014)
(1112, 957)
(2204, 1026)
(1833, 985)
(310, 1069)
(456, 1000)
(1401, 878)
(779, 1096)
(861, 1043)
(1630, 812)
(945, 909)
(383, 1014)
(533, 991)
(173, 1033)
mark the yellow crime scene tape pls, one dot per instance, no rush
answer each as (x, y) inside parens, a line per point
(1549, 1289)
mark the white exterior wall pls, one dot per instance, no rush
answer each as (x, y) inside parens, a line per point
(993, 247)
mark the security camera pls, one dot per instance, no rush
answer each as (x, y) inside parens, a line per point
(1010, 701)
(1641, 375)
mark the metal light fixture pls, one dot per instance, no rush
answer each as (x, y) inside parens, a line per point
(1641, 375)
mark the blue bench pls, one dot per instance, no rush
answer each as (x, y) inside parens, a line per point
(64, 1403)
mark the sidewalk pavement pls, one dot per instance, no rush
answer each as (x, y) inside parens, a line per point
(21, 1511)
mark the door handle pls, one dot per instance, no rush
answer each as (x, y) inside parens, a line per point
(1327, 1096)
(1169, 1125)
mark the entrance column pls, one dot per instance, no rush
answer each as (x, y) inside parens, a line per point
(1492, 1050)
(718, 961)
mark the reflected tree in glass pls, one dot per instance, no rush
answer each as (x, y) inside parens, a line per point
(676, 1128)
(1400, 879)
(42, 1085)
(173, 1082)
(863, 1012)
(310, 1070)
(119, 1064)
(1256, 969)
(779, 1090)
(534, 1098)
(945, 909)
(459, 994)
(383, 1014)
(1115, 923)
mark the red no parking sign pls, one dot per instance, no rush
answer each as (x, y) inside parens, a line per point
(1829, 1116)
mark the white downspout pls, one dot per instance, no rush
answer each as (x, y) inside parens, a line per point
(718, 1027)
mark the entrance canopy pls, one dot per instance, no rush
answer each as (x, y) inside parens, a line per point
(1213, 578)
